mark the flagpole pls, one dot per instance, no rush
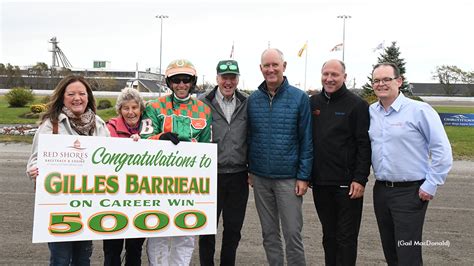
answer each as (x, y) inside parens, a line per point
(232, 56)
(305, 65)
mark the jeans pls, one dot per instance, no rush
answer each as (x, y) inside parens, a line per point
(76, 253)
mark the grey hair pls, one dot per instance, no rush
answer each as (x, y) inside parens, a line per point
(128, 94)
(280, 53)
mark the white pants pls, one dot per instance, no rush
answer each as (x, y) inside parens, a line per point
(173, 251)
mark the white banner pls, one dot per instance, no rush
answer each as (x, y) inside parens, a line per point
(92, 188)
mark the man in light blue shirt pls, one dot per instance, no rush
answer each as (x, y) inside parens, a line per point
(411, 157)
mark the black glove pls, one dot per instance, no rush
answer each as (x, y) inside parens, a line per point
(173, 137)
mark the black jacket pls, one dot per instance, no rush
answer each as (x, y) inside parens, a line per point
(341, 143)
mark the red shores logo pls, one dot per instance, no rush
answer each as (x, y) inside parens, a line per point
(73, 154)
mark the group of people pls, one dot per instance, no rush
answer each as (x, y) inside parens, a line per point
(280, 142)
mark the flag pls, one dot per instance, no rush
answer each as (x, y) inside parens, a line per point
(300, 53)
(381, 46)
(232, 51)
(338, 47)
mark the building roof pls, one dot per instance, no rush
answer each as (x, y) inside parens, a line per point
(438, 89)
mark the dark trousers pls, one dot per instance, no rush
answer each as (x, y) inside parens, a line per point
(400, 216)
(232, 196)
(133, 251)
(340, 218)
(70, 253)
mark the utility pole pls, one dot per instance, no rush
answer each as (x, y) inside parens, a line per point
(161, 17)
(344, 17)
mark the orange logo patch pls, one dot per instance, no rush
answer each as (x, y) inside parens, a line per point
(316, 112)
(198, 123)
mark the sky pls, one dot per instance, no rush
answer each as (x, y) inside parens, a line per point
(127, 33)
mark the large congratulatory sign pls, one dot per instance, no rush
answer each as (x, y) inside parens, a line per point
(92, 188)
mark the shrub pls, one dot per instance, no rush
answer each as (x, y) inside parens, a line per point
(370, 98)
(38, 108)
(416, 98)
(104, 104)
(45, 99)
(19, 97)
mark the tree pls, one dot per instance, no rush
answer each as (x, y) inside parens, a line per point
(201, 88)
(3, 71)
(448, 75)
(63, 72)
(14, 78)
(102, 82)
(391, 54)
(40, 69)
(469, 78)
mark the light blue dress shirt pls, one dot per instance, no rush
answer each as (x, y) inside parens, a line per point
(409, 143)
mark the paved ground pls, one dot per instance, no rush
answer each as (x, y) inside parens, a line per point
(450, 218)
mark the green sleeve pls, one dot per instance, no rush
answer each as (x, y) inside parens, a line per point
(205, 135)
(151, 122)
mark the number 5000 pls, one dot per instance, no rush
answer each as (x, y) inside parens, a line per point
(71, 222)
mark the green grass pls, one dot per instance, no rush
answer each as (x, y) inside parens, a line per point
(106, 114)
(11, 115)
(461, 138)
(10, 138)
(454, 109)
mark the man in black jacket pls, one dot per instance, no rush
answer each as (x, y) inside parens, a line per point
(341, 163)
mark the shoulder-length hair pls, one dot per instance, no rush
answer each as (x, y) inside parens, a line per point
(56, 103)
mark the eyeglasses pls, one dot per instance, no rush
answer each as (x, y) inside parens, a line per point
(228, 66)
(384, 81)
(178, 80)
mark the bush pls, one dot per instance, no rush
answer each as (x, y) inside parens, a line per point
(370, 98)
(19, 97)
(104, 104)
(38, 108)
(45, 99)
(416, 98)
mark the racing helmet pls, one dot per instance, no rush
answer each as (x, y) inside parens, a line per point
(181, 66)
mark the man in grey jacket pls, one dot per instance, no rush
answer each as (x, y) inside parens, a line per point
(229, 131)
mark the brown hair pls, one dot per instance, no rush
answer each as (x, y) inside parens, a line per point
(56, 103)
(396, 70)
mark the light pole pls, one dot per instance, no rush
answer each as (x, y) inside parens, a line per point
(161, 17)
(344, 17)
(203, 89)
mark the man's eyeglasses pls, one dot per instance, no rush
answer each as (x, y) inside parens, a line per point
(384, 81)
(178, 80)
(228, 66)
